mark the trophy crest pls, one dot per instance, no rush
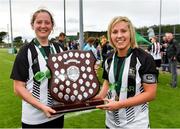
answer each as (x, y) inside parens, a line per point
(73, 80)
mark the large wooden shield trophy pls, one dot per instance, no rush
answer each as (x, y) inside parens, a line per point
(73, 81)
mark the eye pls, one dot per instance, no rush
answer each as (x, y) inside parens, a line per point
(38, 22)
(123, 31)
(47, 22)
(114, 32)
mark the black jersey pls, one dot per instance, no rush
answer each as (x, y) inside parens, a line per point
(28, 62)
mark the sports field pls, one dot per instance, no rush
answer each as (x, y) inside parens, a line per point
(164, 111)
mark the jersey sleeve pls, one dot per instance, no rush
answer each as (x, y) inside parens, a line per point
(105, 71)
(105, 75)
(148, 70)
(21, 66)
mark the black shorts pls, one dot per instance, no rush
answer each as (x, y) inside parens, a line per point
(57, 123)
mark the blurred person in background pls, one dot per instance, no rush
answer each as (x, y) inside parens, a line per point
(165, 62)
(90, 46)
(62, 41)
(106, 49)
(155, 51)
(171, 54)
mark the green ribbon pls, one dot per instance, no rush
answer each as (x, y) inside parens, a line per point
(119, 81)
(42, 49)
(112, 86)
(40, 76)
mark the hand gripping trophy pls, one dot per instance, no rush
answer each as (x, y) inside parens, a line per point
(73, 81)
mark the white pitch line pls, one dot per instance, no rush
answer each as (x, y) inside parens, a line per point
(78, 113)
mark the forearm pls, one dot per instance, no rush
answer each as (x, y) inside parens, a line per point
(21, 91)
(136, 100)
(148, 95)
(104, 89)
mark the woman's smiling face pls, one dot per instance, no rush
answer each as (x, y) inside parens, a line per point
(120, 36)
(42, 25)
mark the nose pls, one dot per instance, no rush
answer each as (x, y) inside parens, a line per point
(119, 34)
(43, 24)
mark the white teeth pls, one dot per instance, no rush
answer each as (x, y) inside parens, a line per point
(120, 41)
(43, 31)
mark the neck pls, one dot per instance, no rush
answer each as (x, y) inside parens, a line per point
(43, 42)
(122, 52)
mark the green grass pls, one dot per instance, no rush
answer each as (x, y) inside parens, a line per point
(94, 119)
(164, 110)
(9, 104)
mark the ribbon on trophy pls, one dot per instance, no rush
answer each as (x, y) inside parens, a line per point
(40, 76)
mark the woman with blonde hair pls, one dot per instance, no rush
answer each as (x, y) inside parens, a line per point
(129, 79)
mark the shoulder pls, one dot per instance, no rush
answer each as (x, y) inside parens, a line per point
(146, 62)
(140, 52)
(86, 47)
(24, 49)
(22, 56)
(142, 55)
(176, 43)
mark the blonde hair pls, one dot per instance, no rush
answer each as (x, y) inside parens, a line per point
(116, 20)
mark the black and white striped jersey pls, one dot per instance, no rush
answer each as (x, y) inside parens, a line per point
(28, 62)
(139, 68)
(155, 50)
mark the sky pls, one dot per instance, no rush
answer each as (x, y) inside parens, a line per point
(96, 14)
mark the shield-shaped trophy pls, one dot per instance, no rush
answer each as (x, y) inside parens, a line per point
(73, 81)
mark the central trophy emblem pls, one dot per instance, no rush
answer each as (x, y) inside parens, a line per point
(73, 73)
(73, 81)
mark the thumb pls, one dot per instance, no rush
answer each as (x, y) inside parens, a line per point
(107, 100)
(52, 110)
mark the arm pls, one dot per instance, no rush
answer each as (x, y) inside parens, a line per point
(148, 95)
(20, 90)
(149, 85)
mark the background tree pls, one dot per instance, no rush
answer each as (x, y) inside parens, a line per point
(3, 35)
(18, 41)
